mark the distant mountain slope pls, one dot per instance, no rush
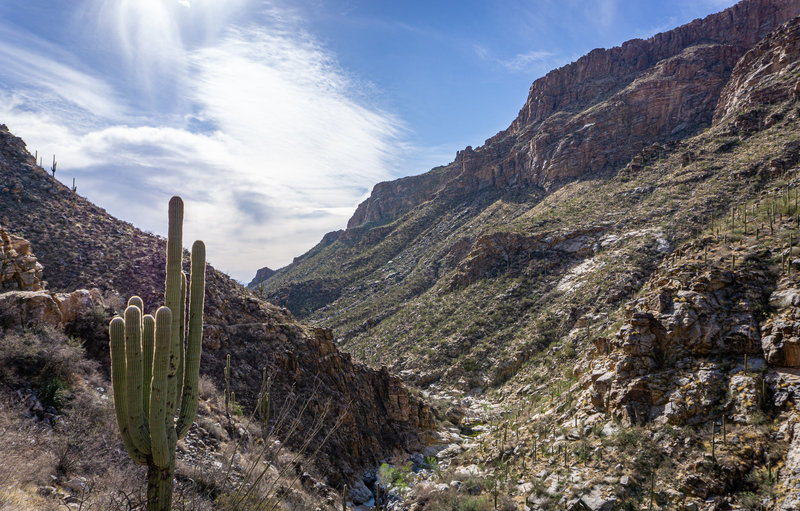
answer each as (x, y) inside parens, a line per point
(82, 246)
(467, 272)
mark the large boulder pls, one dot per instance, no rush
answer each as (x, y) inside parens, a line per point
(23, 308)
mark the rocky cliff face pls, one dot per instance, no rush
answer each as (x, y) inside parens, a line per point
(644, 91)
(81, 246)
(756, 79)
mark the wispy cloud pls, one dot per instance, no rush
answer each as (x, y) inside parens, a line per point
(43, 67)
(521, 62)
(270, 144)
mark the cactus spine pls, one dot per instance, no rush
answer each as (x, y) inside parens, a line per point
(155, 367)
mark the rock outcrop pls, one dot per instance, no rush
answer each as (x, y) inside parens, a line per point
(493, 251)
(261, 275)
(756, 79)
(25, 308)
(666, 361)
(23, 298)
(19, 269)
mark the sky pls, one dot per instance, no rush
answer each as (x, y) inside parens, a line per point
(273, 119)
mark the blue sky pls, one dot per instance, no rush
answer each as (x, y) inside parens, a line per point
(274, 119)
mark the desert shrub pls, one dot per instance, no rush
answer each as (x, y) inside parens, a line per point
(92, 330)
(53, 392)
(448, 501)
(399, 476)
(39, 354)
(206, 388)
(23, 461)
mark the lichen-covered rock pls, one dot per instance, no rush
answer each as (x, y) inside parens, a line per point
(781, 332)
(24, 308)
(76, 304)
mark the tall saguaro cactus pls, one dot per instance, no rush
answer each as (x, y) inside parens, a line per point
(155, 364)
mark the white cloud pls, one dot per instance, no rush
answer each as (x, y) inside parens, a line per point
(43, 68)
(521, 62)
(269, 147)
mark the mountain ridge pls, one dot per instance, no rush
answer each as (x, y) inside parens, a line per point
(467, 285)
(571, 88)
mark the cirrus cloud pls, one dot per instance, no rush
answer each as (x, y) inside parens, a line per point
(267, 139)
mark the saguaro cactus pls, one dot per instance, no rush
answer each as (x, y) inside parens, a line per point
(155, 366)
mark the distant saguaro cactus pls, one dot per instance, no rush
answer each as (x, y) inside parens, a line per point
(155, 366)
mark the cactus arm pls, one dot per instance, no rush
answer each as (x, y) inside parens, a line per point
(134, 379)
(116, 332)
(182, 340)
(136, 302)
(172, 296)
(158, 389)
(148, 345)
(195, 338)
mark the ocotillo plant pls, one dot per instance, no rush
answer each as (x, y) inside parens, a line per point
(155, 367)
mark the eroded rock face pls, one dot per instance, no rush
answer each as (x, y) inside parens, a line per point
(19, 269)
(764, 64)
(24, 308)
(506, 248)
(781, 332)
(657, 89)
(665, 362)
(379, 417)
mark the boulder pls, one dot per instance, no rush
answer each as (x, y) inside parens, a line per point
(597, 501)
(23, 308)
(74, 305)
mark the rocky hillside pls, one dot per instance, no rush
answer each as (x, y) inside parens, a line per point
(468, 273)
(672, 291)
(80, 246)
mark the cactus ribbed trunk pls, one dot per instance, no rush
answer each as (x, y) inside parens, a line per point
(159, 487)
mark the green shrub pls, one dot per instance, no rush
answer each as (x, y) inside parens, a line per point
(53, 392)
(399, 477)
